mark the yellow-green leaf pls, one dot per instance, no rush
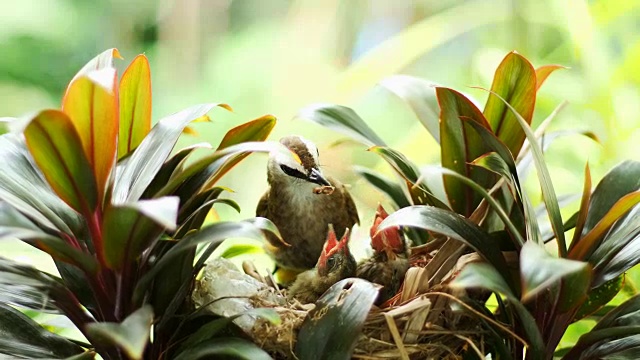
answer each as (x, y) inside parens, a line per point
(91, 103)
(55, 146)
(543, 72)
(514, 81)
(135, 105)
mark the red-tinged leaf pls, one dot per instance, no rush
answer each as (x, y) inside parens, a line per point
(91, 102)
(135, 105)
(131, 336)
(256, 130)
(56, 148)
(543, 72)
(592, 239)
(584, 207)
(514, 81)
(130, 228)
(599, 297)
(460, 145)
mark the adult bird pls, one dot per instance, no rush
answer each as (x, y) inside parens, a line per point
(297, 203)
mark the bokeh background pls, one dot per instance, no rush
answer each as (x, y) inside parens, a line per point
(277, 56)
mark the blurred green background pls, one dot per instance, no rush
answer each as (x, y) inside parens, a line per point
(277, 56)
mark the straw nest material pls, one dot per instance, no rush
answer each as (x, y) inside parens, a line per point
(425, 320)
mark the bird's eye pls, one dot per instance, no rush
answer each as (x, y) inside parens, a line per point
(331, 262)
(293, 172)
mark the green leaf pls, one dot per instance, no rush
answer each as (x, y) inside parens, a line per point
(135, 105)
(241, 249)
(223, 348)
(584, 208)
(24, 188)
(148, 158)
(132, 335)
(454, 226)
(57, 149)
(615, 336)
(129, 229)
(347, 304)
(342, 119)
(599, 297)
(548, 193)
(460, 146)
(24, 338)
(539, 271)
(482, 275)
(421, 97)
(393, 190)
(515, 82)
(420, 193)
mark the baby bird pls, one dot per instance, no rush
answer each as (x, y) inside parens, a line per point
(335, 263)
(390, 260)
(298, 203)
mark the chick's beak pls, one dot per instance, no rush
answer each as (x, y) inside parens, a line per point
(315, 176)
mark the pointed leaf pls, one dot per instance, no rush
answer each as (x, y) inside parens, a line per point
(24, 338)
(91, 103)
(101, 61)
(147, 159)
(452, 225)
(341, 119)
(223, 348)
(391, 189)
(584, 207)
(135, 105)
(543, 72)
(132, 335)
(548, 193)
(460, 146)
(56, 148)
(130, 228)
(347, 303)
(599, 297)
(539, 270)
(515, 82)
(420, 96)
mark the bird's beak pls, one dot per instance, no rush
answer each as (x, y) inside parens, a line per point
(315, 176)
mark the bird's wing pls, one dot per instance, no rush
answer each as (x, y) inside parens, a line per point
(352, 212)
(262, 209)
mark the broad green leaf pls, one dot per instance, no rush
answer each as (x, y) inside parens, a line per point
(148, 158)
(543, 72)
(210, 330)
(615, 336)
(589, 242)
(515, 82)
(24, 338)
(25, 287)
(459, 147)
(342, 119)
(224, 348)
(420, 193)
(548, 193)
(452, 225)
(241, 249)
(623, 179)
(420, 95)
(128, 229)
(485, 276)
(135, 105)
(132, 335)
(56, 148)
(393, 190)
(599, 297)
(91, 102)
(213, 234)
(256, 130)
(346, 303)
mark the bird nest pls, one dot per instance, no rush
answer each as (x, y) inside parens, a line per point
(425, 320)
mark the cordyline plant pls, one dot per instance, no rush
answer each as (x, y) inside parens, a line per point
(98, 189)
(484, 155)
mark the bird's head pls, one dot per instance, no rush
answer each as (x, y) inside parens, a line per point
(300, 167)
(335, 255)
(390, 240)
